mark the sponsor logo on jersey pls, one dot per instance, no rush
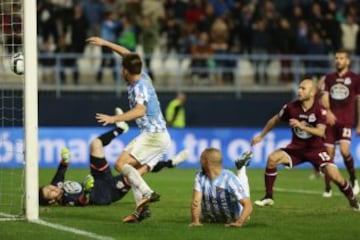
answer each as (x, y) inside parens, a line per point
(347, 81)
(339, 91)
(302, 134)
(312, 117)
(72, 187)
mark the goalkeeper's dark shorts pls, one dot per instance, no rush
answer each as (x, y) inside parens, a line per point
(107, 188)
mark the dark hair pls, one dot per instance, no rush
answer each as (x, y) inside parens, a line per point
(343, 51)
(42, 200)
(132, 63)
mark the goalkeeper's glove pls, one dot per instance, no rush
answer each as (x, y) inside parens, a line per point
(88, 183)
(65, 155)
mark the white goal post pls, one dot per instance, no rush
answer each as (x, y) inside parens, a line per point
(31, 112)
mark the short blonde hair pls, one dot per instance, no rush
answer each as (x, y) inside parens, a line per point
(212, 155)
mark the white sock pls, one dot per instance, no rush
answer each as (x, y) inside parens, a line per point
(241, 174)
(135, 179)
(137, 195)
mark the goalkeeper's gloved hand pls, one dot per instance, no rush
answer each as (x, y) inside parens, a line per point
(88, 183)
(65, 155)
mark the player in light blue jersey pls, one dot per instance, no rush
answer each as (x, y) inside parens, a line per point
(219, 196)
(153, 141)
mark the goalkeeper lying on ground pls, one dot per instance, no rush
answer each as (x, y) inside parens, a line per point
(100, 187)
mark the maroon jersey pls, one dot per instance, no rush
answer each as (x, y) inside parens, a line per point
(342, 93)
(314, 116)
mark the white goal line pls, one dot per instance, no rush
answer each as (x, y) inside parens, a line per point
(72, 230)
(9, 217)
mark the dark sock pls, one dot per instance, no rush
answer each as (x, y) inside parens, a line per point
(162, 164)
(349, 163)
(270, 177)
(346, 190)
(110, 135)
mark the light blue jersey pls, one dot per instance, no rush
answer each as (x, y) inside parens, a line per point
(220, 197)
(143, 92)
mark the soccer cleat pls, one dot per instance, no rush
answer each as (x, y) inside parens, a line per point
(153, 197)
(355, 187)
(138, 216)
(264, 202)
(123, 125)
(355, 205)
(65, 155)
(244, 160)
(144, 213)
(180, 157)
(327, 193)
(132, 218)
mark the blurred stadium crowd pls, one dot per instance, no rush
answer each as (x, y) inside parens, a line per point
(198, 28)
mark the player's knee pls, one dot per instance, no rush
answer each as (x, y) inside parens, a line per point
(332, 171)
(96, 144)
(120, 165)
(346, 154)
(272, 161)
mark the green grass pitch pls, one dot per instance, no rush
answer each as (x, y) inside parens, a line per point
(299, 212)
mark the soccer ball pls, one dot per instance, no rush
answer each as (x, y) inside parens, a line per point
(17, 63)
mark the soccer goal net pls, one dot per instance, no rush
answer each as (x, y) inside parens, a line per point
(18, 101)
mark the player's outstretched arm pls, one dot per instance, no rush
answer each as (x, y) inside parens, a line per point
(196, 209)
(268, 127)
(102, 42)
(59, 176)
(138, 111)
(245, 214)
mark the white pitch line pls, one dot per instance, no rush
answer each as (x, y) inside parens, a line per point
(72, 230)
(10, 217)
(302, 191)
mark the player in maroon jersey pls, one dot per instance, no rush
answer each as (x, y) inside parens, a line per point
(307, 119)
(339, 94)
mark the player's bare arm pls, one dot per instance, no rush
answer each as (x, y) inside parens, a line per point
(196, 209)
(325, 101)
(269, 125)
(102, 42)
(138, 111)
(245, 214)
(319, 130)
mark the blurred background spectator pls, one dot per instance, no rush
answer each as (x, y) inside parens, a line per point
(232, 27)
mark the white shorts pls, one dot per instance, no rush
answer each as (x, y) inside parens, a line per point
(149, 148)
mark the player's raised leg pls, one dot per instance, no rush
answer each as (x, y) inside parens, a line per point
(241, 165)
(172, 162)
